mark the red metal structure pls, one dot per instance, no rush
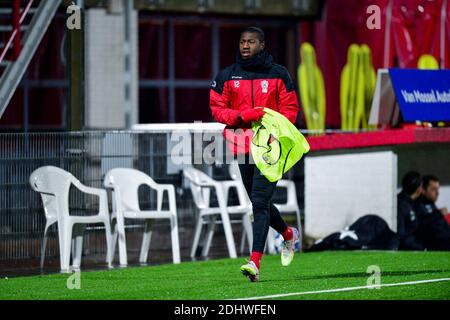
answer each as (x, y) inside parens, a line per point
(16, 26)
(14, 39)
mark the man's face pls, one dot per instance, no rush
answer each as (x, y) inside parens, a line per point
(432, 191)
(249, 45)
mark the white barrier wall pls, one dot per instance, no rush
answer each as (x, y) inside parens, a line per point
(341, 188)
(106, 74)
(444, 197)
(104, 60)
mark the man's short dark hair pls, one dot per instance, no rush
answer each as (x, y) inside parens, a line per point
(426, 180)
(411, 182)
(258, 31)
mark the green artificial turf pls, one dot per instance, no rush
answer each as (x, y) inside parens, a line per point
(221, 279)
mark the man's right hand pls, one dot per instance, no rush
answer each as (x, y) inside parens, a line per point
(251, 115)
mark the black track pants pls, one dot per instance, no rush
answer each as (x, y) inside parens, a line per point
(260, 191)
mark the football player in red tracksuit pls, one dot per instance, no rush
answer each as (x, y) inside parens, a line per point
(237, 97)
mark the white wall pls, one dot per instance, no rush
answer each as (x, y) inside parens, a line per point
(444, 197)
(341, 188)
(108, 77)
(105, 65)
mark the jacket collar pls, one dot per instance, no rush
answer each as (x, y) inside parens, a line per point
(260, 62)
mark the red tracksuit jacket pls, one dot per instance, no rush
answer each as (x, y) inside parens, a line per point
(236, 89)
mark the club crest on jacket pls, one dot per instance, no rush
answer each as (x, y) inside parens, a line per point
(264, 86)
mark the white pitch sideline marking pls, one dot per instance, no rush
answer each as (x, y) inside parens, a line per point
(344, 289)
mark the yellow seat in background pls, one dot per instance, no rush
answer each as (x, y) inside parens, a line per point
(428, 62)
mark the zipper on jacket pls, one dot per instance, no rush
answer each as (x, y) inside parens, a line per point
(253, 100)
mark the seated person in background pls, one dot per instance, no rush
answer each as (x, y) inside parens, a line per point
(430, 194)
(434, 231)
(407, 223)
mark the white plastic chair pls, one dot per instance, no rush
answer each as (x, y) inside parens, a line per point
(125, 183)
(53, 184)
(201, 185)
(290, 206)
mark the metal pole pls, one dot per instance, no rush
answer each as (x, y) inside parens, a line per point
(75, 42)
(387, 35)
(215, 34)
(16, 26)
(131, 72)
(443, 33)
(172, 116)
(26, 104)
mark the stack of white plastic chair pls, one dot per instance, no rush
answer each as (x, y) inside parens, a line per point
(125, 183)
(53, 184)
(201, 185)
